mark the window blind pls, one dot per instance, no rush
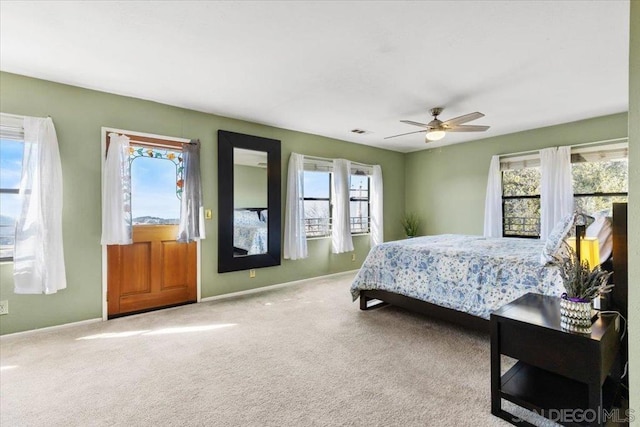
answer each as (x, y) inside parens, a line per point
(579, 154)
(11, 127)
(317, 164)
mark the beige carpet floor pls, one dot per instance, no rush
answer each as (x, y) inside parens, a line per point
(302, 355)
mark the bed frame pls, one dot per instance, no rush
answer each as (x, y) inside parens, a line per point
(370, 299)
(379, 298)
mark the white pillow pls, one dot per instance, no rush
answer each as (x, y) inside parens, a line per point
(602, 228)
(556, 237)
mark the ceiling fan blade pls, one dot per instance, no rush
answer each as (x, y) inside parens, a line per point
(408, 133)
(468, 128)
(410, 122)
(463, 119)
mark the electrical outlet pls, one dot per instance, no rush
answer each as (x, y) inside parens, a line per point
(252, 273)
(353, 257)
(4, 307)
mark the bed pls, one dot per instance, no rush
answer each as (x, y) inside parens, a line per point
(250, 231)
(461, 279)
(472, 275)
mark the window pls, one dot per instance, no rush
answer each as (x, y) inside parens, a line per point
(156, 185)
(598, 184)
(10, 174)
(359, 203)
(317, 203)
(600, 178)
(521, 202)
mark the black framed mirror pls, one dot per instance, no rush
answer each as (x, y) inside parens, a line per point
(248, 202)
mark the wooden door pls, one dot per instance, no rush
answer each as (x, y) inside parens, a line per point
(153, 272)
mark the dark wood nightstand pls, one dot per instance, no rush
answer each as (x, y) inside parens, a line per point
(559, 374)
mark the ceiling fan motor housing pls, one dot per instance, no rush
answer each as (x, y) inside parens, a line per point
(435, 124)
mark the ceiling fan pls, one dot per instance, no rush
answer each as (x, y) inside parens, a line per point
(436, 129)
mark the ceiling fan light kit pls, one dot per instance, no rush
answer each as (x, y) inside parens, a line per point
(435, 135)
(437, 129)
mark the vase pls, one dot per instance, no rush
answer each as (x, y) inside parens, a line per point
(575, 314)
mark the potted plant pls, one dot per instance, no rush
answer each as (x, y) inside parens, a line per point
(582, 284)
(410, 224)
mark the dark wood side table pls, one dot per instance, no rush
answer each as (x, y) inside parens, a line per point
(559, 374)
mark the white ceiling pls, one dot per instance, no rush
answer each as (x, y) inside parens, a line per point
(328, 67)
(253, 158)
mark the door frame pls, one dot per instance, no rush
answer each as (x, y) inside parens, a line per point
(104, 131)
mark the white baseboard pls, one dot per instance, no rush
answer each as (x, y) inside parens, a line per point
(271, 287)
(52, 328)
(213, 298)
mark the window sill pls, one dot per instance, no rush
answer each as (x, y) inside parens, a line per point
(328, 237)
(318, 237)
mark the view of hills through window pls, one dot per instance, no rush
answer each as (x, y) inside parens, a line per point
(154, 187)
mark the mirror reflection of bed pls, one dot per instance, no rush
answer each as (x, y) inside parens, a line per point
(250, 231)
(250, 219)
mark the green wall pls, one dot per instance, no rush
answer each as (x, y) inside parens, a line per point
(79, 114)
(446, 186)
(634, 211)
(249, 187)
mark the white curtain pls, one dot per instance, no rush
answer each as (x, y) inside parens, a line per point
(191, 225)
(38, 261)
(376, 202)
(493, 200)
(295, 239)
(116, 193)
(556, 188)
(341, 227)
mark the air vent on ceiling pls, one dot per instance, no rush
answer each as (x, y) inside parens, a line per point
(359, 131)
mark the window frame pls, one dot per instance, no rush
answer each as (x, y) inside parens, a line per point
(355, 171)
(519, 236)
(530, 160)
(12, 130)
(166, 146)
(142, 140)
(321, 199)
(361, 199)
(9, 191)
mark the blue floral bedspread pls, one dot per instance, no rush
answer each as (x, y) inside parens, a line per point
(473, 274)
(251, 238)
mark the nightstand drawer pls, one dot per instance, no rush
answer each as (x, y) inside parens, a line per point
(541, 349)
